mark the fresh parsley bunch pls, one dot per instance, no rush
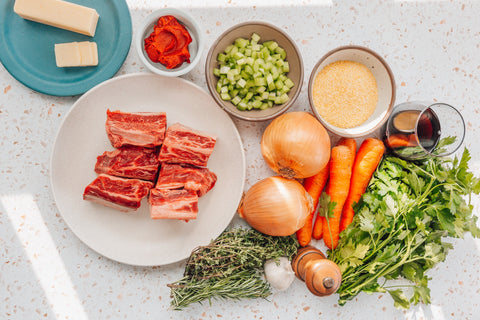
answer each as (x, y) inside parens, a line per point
(401, 221)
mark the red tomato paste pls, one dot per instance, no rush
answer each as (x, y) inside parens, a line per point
(168, 43)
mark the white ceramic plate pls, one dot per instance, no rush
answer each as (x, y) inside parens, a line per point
(134, 238)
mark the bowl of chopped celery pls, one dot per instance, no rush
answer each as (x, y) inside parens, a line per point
(254, 71)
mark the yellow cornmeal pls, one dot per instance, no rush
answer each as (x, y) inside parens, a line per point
(345, 93)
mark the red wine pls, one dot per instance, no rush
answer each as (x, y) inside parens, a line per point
(428, 130)
(407, 137)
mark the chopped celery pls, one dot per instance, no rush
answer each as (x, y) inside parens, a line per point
(260, 82)
(248, 70)
(271, 86)
(250, 84)
(236, 100)
(264, 106)
(224, 69)
(238, 55)
(225, 96)
(289, 83)
(257, 104)
(221, 57)
(228, 48)
(260, 89)
(282, 52)
(252, 75)
(241, 61)
(241, 43)
(271, 45)
(279, 84)
(242, 106)
(281, 99)
(244, 75)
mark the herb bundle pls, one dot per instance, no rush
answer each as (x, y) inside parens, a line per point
(399, 227)
(231, 267)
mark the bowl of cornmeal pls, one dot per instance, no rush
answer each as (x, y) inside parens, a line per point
(352, 91)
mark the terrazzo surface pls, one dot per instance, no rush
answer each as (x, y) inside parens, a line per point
(46, 272)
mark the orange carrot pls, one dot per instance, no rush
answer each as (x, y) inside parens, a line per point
(399, 140)
(314, 186)
(317, 232)
(351, 143)
(366, 162)
(413, 140)
(337, 188)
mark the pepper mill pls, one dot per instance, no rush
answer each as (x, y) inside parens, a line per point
(322, 276)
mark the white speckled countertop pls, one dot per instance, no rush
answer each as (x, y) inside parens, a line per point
(46, 272)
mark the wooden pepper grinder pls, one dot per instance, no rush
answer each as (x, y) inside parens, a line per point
(322, 276)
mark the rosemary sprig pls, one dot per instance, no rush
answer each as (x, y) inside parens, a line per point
(231, 267)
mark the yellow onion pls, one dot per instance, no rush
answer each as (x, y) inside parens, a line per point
(276, 206)
(296, 145)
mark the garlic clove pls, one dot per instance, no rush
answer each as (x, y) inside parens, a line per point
(279, 273)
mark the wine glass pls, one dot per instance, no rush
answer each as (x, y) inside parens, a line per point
(418, 130)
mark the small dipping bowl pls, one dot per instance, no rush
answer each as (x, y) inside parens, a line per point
(385, 85)
(195, 47)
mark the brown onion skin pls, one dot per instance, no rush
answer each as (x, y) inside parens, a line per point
(276, 206)
(296, 145)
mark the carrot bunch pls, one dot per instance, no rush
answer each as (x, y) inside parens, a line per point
(348, 174)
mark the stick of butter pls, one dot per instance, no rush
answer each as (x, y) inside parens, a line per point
(76, 54)
(60, 14)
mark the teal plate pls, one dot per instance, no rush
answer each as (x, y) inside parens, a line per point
(27, 48)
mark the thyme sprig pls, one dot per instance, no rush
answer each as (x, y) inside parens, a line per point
(231, 267)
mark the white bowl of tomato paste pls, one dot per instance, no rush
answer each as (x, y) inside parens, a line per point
(169, 42)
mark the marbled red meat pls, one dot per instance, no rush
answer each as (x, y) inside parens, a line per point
(173, 204)
(175, 176)
(186, 145)
(118, 193)
(129, 162)
(144, 129)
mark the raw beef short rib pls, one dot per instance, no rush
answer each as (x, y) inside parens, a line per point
(118, 193)
(173, 204)
(144, 129)
(186, 145)
(129, 162)
(175, 176)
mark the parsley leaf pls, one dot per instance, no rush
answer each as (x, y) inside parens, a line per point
(325, 207)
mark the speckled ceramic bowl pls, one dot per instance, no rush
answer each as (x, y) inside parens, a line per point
(266, 32)
(385, 84)
(195, 47)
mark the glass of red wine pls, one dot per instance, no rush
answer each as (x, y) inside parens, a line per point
(418, 130)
